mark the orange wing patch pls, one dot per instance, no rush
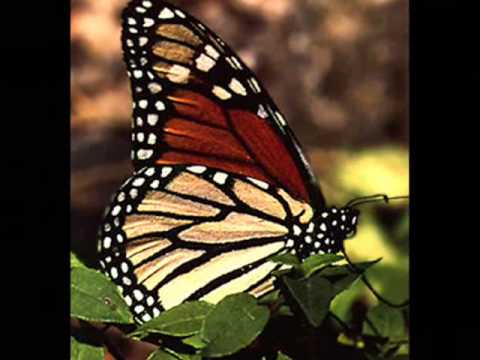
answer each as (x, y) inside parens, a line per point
(192, 185)
(159, 201)
(234, 228)
(139, 225)
(140, 250)
(179, 33)
(258, 199)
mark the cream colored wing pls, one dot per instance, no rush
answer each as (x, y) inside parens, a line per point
(179, 233)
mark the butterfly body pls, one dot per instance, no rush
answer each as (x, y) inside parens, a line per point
(220, 184)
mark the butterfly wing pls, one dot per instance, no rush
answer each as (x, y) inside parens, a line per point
(196, 102)
(179, 233)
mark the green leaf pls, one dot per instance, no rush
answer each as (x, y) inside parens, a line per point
(286, 259)
(313, 295)
(233, 324)
(95, 298)
(269, 298)
(387, 321)
(169, 354)
(81, 351)
(195, 341)
(342, 276)
(317, 262)
(347, 340)
(161, 354)
(281, 356)
(75, 262)
(403, 350)
(183, 320)
(285, 310)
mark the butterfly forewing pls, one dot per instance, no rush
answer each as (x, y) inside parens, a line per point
(196, 102)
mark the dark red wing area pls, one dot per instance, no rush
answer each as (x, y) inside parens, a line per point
(196, 102)
(236, 141)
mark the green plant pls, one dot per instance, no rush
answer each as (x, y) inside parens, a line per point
(241, 326)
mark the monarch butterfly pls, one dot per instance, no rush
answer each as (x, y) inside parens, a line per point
(220, 184)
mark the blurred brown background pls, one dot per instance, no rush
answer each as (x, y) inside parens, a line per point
(338, 69)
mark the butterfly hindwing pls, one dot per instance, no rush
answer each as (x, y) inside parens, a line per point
(196, 102)
(178, 233)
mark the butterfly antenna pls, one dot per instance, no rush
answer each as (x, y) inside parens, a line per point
(369, 285)
(375, 198)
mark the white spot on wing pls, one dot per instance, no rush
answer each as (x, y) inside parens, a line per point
(137, 294)
(237, 63)
(107, 242)
(166, 13)
(259, 183)
(166, 171)
(152, 139)
(159, 105)
(262, 112)
(154, 88)
(138, 182)
(221, 93)
(178, 74)
(197, 169)
(280, 118)
(296, 230)
(116, 210)
(144, 154)
(211, 51)
(254, 85)
(150, 171)
(220, 178)
(180, 13)
(204, 63)
(237, 87)
(152, 119)
(147, 22)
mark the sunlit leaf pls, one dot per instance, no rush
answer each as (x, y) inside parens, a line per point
(95, 298)
(386, 322)
(316, 262)
(195, 341)
(75, 262)
(183, 320)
